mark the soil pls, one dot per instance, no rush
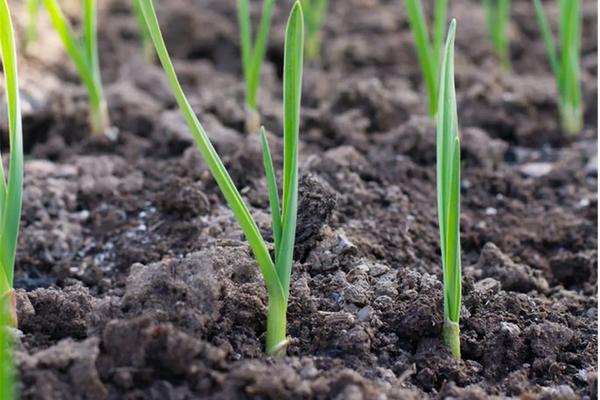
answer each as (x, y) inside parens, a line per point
(134, 280)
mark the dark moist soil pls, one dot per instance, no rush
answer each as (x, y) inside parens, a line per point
(135, 281)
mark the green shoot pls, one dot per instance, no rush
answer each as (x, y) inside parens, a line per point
(7, 370)
(497, 14)
(276, 274)
(253, 56)
(428, 52)
(143, 29)
(33, 7)
(314, 11)
(566, 68)
(84, 53)
(11, 189)
(448, 189)
(11, 184)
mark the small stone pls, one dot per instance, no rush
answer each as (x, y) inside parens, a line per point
(536, 169)
(491, 211)
(364, 313)
(511, 329)
(487, 286)
(343, 245)
(378, 269)
(592, 312)
(583, 203)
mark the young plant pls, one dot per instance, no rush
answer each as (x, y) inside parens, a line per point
(33, 8)
(314, 11)
(11, 188)
(143, 30)
(11, 183)
(84, 53)
(497, 14)
(253, 56)
(275, 273)
(428, 52)
(565, 68)
(448, 191)
(7, 370)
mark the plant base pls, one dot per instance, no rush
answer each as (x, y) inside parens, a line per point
(572, 119)
(100, 121)
(252, 120)
(280, 349)
(452, 337)
(277, 342)
(9, 300)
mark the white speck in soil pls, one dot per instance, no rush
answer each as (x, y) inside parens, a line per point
(491, 211)
(364, 313)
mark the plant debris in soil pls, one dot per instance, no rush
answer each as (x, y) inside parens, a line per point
(134, 280)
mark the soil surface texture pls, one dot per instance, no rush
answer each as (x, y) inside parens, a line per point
(135, 282)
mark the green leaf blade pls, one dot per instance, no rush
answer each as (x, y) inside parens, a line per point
(215, 165)
(292, 94)
(245, 36)
(84, 54)
(425, 49)
(260, 49)
(547, 37)
(273, 192)
(12, 199)
(448, 188)
(566, 66)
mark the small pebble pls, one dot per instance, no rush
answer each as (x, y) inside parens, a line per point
(510, 328)
(592, 312)
(378, 269)
(536, 169)
(583, 203)
(491, 211)
(364, 313)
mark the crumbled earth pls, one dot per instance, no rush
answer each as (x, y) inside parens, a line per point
(135, 282)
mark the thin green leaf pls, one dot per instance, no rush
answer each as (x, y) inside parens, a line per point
(497, 13)
(33, 7)
(84, 54)
(453, 237)
(12, 195)
(547, 37)
(425, 52)
(448, 186)
(292, 93)
(314, 15)
(439, 26)
(253, 57)
(566, 69)
(77, 52)
(273, 192)
(89, 31)
(143, 30)
(245, 37)
(230, 192)
(260, 48)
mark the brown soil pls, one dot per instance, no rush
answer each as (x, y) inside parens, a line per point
(135, 281)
